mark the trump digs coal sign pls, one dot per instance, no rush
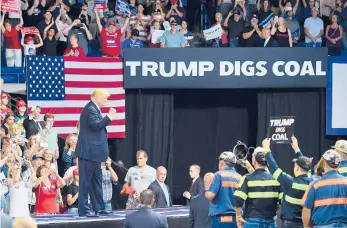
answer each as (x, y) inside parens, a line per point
(281, 129)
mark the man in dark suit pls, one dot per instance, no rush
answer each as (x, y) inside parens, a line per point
(269, 41)
(145, 217)
(91, 150)
(32, 124)
(197, 186)
(160, 189)
(199, 207)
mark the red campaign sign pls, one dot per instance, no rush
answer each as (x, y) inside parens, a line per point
(100, 6)
(30, 30)
(11, 6)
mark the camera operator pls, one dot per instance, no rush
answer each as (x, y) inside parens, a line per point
(81, 32)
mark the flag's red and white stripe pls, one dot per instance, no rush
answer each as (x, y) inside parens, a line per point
(82, 76)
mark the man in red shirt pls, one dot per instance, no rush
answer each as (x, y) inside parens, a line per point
(74, 50)
(110, 37)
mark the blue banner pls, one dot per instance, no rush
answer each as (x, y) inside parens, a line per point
(204, 68)
(336, 96)
(124, 8)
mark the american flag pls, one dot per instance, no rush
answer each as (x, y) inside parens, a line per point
(63, 86)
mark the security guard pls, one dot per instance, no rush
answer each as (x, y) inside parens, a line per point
(293, 187)
(341, 148)
(221, 192)
(260, 193)
(325, 200)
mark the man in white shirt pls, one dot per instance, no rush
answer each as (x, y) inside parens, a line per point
(314, 29)
(139, 178)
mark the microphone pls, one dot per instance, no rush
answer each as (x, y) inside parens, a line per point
(119, 164)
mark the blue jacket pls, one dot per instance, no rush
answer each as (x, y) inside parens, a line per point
(293, 189)
(145, 217)
(92, 139)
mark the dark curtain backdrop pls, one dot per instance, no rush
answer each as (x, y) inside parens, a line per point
(183, 127)
(149, 127)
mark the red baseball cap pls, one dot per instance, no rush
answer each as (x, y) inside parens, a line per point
(173, 1)
(29, 38)
(75, 172)
(111, 23)
(20, 103)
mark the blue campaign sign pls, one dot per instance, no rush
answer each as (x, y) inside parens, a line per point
(200, 68)
(124, 8)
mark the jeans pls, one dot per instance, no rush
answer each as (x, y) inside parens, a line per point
(259, 223)
(224, 222)
(344, 40)
(72, 211)
(311, 44)
(233, 43)
(290, 224)
(108, 206)
(333, 225)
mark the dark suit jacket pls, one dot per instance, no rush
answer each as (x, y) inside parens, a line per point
(197, 187)
(31, 127)
(92, 139)
(272, 42)
(160, 199)
(198, 212)
(145, 217)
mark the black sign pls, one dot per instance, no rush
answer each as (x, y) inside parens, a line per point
(281, 129)
(203, 68)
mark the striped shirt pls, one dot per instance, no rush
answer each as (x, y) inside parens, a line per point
(143, 29)
(260, 193)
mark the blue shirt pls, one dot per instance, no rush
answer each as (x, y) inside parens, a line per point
(129, 43)
(327, 199)
(224, 185)
(176, 40)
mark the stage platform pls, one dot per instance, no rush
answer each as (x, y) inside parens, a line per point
(177, 218)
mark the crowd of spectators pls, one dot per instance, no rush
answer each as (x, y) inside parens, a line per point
(78, 28)
(30, 180)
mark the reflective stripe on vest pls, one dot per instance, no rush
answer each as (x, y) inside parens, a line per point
(292, 200)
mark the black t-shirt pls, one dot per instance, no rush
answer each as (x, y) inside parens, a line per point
(72, 189)
(254, 40)
(36, 17)
(42, 25)
(235, 28)
(50, 46)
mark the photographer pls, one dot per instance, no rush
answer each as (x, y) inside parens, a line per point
(81, 33)
(46, 186)
(235, 25)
